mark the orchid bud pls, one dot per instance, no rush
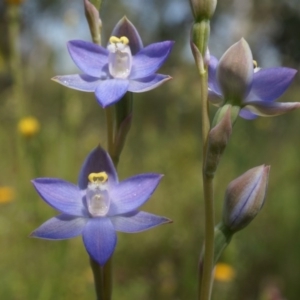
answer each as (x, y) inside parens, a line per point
(245, 197)
(235, 72)
(217, 141)
(200, 35)
(203, 9)
(94, 21)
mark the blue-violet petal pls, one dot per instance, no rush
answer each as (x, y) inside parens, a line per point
(61, 195)
(270, 84)
(133, 192)
(97, 161)
(88, 57)
(60, 227)
(100, 239)
(147, 83)
(125, 28)
(81, 82)
(137, 221)
(110, 91)
(150, 59)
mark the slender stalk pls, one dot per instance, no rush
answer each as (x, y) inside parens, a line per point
(98, 279)
(110, 130)
(205, 277)
(107, 279)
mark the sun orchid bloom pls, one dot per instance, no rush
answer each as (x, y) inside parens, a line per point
(98, 207)
(125, 65)
(235, 79)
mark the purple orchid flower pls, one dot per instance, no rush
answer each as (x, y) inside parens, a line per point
(98, 207)
(125, 65)
(235, 80)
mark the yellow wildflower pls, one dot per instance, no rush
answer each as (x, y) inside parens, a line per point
(224, 272)
(29, 126)
(7, 194)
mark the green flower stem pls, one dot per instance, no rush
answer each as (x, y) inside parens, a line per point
(205, 279)
(98, 279)
(200, 36)
(110, 130)
(107, 279)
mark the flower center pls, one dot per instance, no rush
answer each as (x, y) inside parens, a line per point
(255, 66)
(119, 58)
(97, 196)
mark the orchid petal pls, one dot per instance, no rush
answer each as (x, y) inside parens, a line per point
(270, 84)
(81, 82)
(212, 75)
(137, 221)
(61, 195)
(125, 28)
(60, 227)
(130, 194)
(214, 98)
(235, 72)
(110, 91)
(97, 161)
(100, 239)
(88, 57)
(270, 109)
(148, 83)
(149, 59)
(247, 114)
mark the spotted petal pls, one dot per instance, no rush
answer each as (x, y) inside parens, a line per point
(97, 161)
(60, 227)
(110, 91)
(62, 195)
(149, 59)
(130, 194)
(137, 221)
(147, 83)
(88, 57)
(81, 82)
(100, 239)
(270, 84)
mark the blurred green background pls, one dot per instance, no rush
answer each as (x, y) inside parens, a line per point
(165, 138)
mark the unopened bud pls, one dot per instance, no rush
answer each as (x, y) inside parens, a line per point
(94, 21)
(245, 197)
(203, 9)
(217, 141)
